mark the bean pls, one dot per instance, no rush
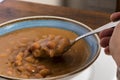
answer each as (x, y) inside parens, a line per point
(21, 68)
(52, 53)
(19, 56)
(37, 53)
(51, 44)
(38, 75)
(30, 59)
(18, 63)
(35, 45)
(45, 72)
(40, 67)
(31, 69)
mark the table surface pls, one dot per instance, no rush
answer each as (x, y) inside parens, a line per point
(12, 9)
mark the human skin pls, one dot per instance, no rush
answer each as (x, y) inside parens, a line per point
(110, 39)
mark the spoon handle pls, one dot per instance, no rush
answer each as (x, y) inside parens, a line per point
(106, 26)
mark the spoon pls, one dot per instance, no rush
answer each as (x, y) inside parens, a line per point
(106, 26)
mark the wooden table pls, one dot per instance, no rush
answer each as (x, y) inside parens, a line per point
(12, 9)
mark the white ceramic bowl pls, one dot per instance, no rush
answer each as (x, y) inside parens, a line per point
(57, 22)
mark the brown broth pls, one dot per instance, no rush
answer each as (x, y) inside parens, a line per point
(70, 61)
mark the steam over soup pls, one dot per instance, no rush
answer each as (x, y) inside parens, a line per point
(20, 53)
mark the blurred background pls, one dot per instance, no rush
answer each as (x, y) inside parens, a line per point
(107, 6)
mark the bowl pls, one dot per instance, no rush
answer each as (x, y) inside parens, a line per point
(55, 22)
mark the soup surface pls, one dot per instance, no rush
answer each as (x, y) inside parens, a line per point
(16, 62)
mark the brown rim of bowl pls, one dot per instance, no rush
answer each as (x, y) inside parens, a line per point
(58, 18)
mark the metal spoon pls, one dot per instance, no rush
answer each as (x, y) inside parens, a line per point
(106, 26)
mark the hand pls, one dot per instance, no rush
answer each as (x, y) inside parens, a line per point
(105, 36)
(110, 39)
(114, 43)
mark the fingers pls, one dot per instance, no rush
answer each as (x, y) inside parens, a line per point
(105, 36)
(115, 16)
(104, 42)
(106, 50)
(105, 33)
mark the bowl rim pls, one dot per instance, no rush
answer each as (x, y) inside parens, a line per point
(57, 18)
